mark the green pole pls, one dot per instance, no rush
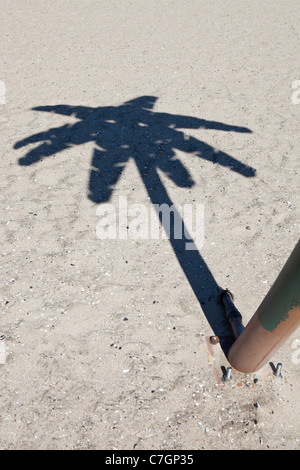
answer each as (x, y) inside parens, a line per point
(277, 317)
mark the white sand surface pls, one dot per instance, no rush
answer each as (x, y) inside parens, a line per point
(190, 102)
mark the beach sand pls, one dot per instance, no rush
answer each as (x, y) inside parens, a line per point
(105, 342)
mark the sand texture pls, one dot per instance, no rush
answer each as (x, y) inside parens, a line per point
(106, 341)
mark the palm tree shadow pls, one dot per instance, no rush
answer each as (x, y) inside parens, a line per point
(134, 131)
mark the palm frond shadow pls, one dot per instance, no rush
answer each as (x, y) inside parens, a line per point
(135, 131)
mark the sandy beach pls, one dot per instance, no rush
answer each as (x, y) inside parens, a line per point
(104, 342)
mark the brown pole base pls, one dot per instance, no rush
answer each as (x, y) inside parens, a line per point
(255, 346)
(275, 320)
